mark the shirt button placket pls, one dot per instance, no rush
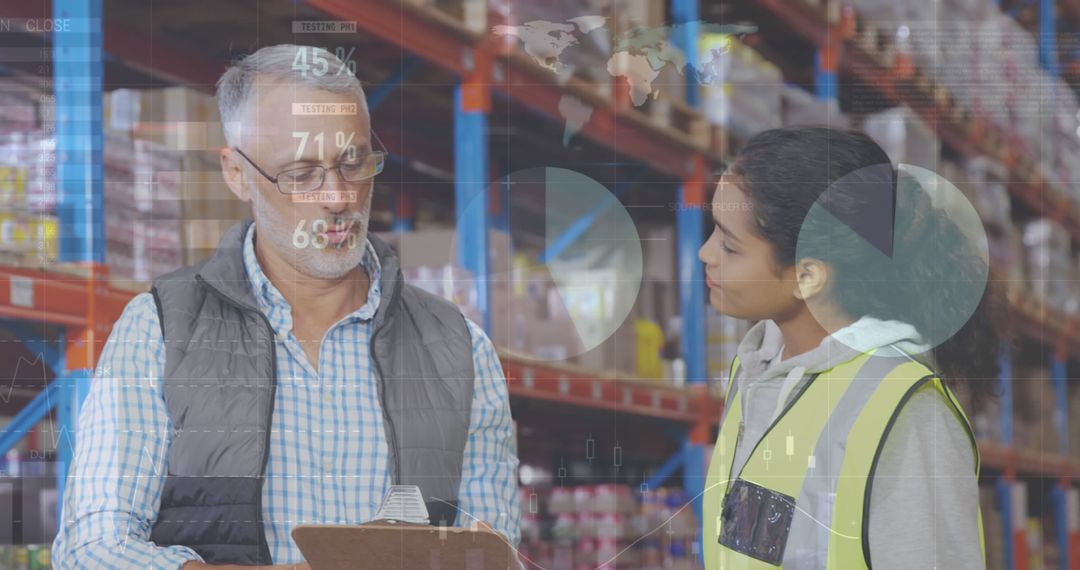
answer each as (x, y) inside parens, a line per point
(330, 421)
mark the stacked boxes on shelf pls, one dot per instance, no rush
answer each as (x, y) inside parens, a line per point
(608, 526)
(799, 107)
(142, 209)
(984, 181)
(158, 152)
(162, 181)
(1050, 265)
(741, 91)
(185, 123)
(905, 137)
(472, 14)
(429, 260)
(18, 109)
(744, 94)
(989, 64)
(577, 38)
(1033, 410)
(29, 230)
(530, 314)
(26, 556)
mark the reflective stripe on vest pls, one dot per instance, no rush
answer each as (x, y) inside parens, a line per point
(831, 431)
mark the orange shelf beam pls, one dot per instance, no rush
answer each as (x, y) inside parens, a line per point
(540, 380)
(438, 41)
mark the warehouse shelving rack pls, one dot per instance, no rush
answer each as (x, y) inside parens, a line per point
(86, 305)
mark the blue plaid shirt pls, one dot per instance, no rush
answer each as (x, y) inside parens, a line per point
(328, 452)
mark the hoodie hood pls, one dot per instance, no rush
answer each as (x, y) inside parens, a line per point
(759, 352)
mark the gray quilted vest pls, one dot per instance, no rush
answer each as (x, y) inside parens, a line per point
(219, 384)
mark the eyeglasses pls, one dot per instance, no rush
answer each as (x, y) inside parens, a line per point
(356, 168)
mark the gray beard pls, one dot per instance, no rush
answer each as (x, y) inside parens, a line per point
(329, 262)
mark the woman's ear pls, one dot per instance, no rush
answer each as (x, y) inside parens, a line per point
(811, 278)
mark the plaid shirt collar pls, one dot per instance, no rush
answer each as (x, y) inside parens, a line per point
(277, 309)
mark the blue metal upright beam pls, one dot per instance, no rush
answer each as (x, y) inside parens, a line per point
(690, 234)
(1048, 36)
(80, 203)
(1058, 371)
(666, 470)
(77, 78)
(577, 229)
(690, 231)
(470, 194)
(28, 417)
(685, 16)
(52, 353)
(376, 96)
(689, 227)
(694, 473)
(1058, 376)
(825, 82)
(1005, 483)
(501, 219)
(38, 408)
(74, 386)
(402, 222)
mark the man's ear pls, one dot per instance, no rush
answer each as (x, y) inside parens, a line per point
(811, 278)
(232, 169)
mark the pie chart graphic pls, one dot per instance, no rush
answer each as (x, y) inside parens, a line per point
(914, 252)
(577, 264)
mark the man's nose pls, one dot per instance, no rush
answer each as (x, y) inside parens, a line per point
(336, 192)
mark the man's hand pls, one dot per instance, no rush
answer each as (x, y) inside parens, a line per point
(194, 565)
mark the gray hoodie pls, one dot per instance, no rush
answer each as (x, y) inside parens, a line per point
(925, 494)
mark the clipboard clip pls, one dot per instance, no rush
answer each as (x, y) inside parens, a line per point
(403, 503)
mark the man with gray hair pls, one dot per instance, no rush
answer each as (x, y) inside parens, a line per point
(293, 377)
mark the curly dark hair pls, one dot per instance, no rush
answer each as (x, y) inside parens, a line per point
(785, 172)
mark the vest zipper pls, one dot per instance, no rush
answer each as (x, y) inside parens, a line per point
(269, 426)
(263, 545)
(386, 414)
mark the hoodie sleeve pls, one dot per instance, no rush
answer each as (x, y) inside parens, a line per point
(925, 498)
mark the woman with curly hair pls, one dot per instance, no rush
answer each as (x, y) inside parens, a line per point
(842, 444)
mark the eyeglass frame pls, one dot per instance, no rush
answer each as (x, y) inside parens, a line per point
(337, 167)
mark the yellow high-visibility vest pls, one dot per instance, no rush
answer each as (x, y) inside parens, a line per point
(802, 500)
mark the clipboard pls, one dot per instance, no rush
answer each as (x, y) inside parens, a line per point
(394, 545)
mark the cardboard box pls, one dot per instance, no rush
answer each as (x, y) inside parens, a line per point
(511, 316)
(438, 247)
(618, 353)
(178, 117)
(201, 237)
(554, 340)
(658, 258)
(203, 192)
(801, 108)
(905, 137)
